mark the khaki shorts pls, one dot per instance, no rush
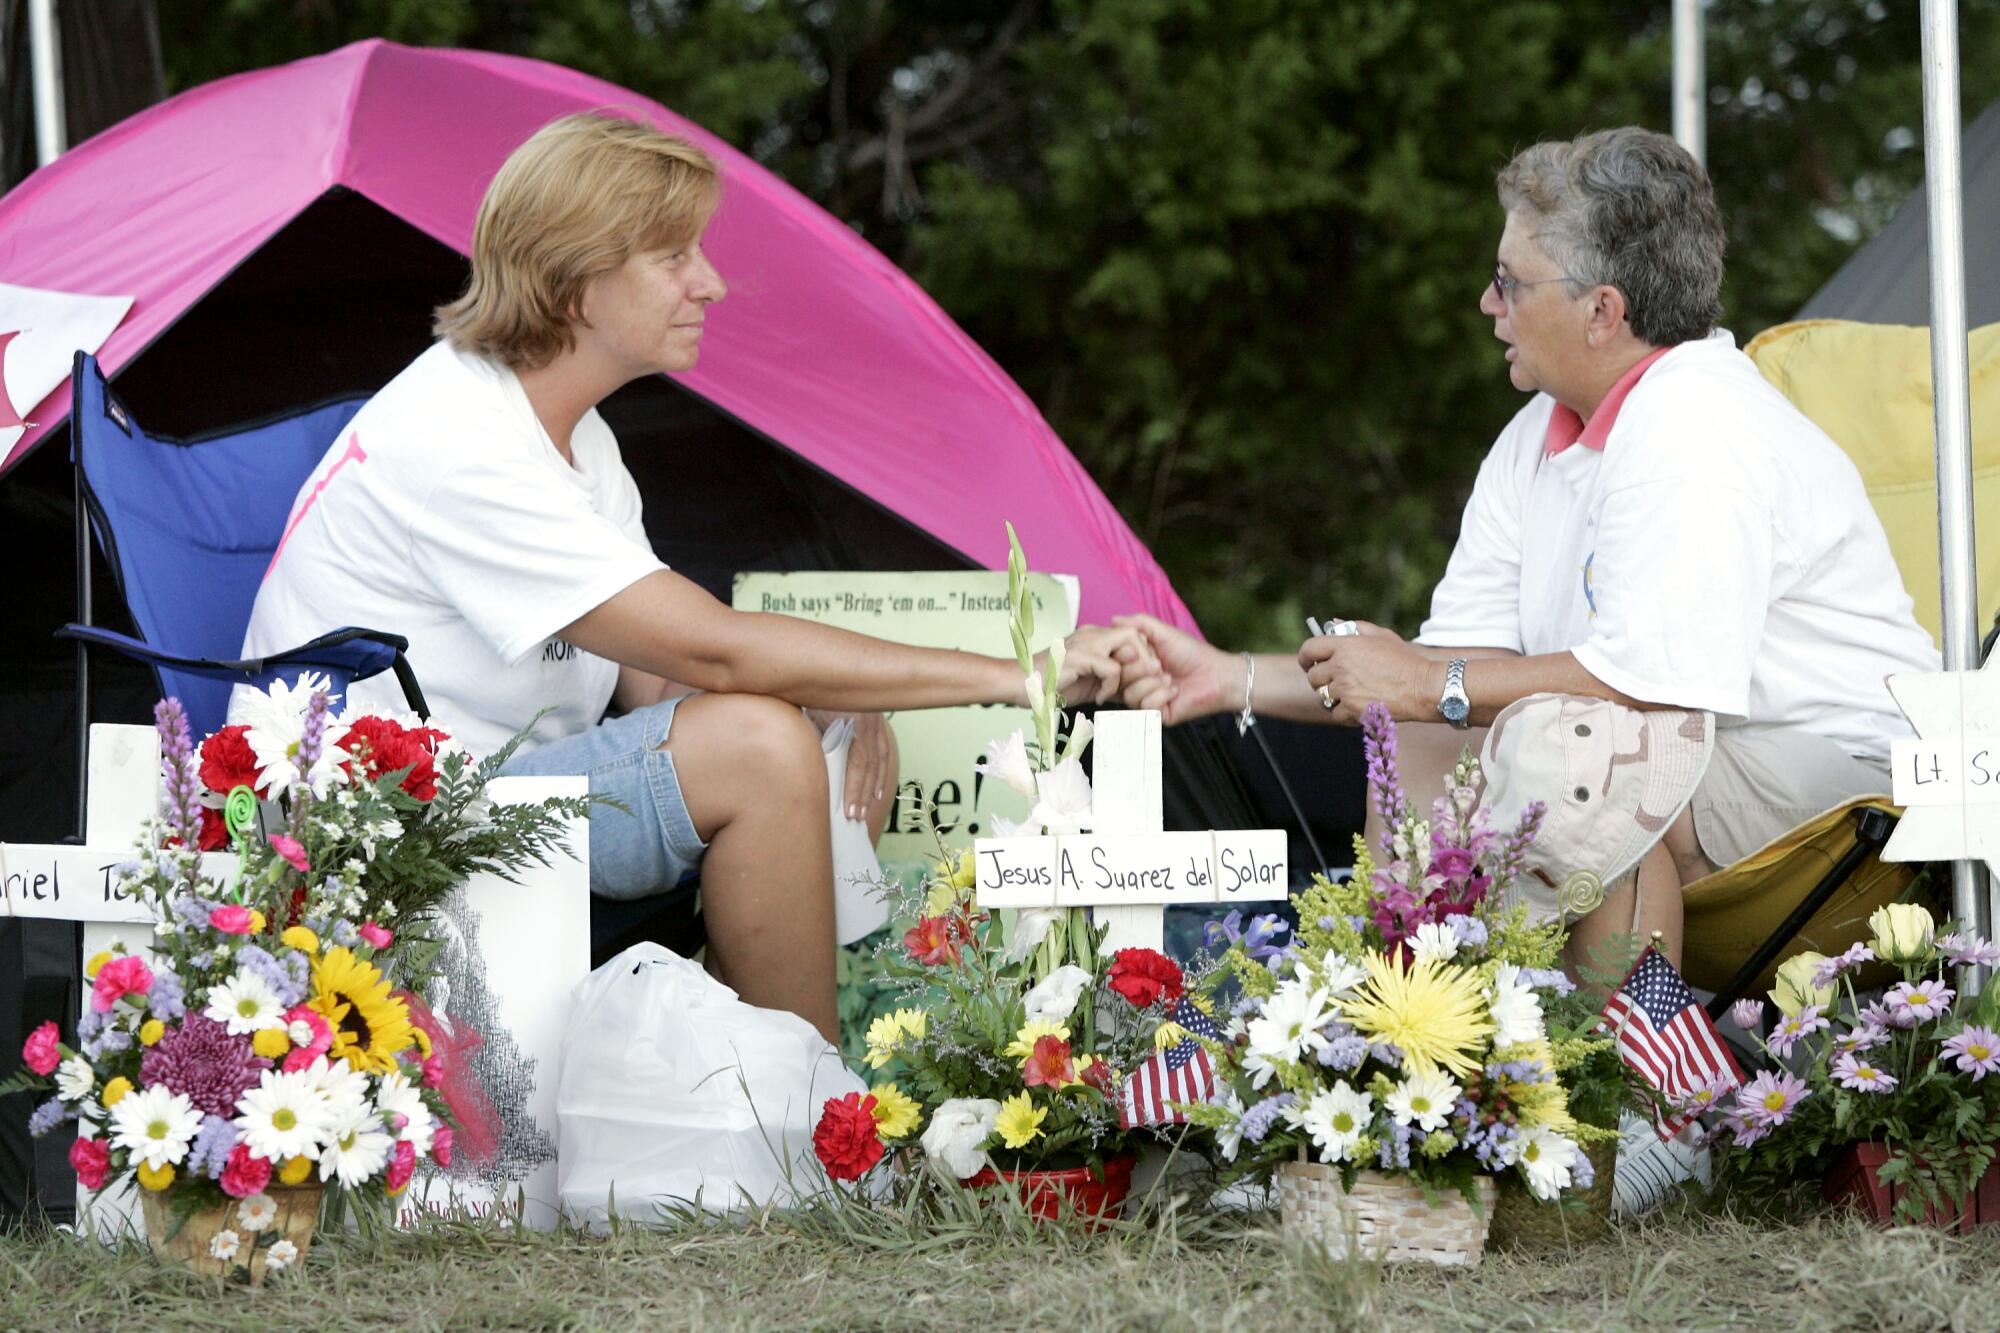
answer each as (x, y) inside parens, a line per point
(1764, 781)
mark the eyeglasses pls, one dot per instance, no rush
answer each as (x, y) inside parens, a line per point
(1504, 287)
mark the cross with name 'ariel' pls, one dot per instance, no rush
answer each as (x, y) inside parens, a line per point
(1126, 868)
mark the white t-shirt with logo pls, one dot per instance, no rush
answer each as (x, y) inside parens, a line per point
(444, 513)
(1719, 554)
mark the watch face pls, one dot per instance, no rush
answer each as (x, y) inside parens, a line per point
(1456, 708)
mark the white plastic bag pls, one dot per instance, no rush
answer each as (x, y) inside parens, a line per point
(673, 1092)
(858, 908)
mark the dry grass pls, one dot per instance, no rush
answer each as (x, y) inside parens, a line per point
(992, 1270)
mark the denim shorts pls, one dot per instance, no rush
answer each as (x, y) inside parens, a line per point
(650, 847)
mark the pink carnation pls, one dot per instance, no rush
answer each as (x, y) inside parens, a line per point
(43, 1050)
(295, 855)
(245, 1174)
(402, 1165)
(230, 919)
(441, 1145)
(376, 936)
(127, 975)
(91, 1160)
(434, 1071)
(305, 1021)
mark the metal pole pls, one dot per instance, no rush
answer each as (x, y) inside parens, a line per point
(1690, 80)
(1957, 572)
(45, 60)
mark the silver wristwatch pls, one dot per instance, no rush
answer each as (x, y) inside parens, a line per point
(1453, 703)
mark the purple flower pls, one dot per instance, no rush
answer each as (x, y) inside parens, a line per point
(1977, 1050)
(1385, 790)
(1794, 1026)
(1514, 847)
(1489, 1143)
(167, 1000)
(1344, 1050)
(1864, 1036)
(312, 733)
(1263, 929)
(201, 1058)
(344, 934)
(47, 1116)
(1387, 1053)
(180, 771)
(1708, 1096)
(1472, 932)
(110, 1041)
(1582, 1175)
(1742, 1128)
(1912, 1002)
(1830, 969)
(1968, 950)
(1545, 978)
(287, 981)
(192, 910)
(1856, 1072)
(212, 1144)
(1769, 1098)
(1393, 1151)
(1748, 1015)
(1257, 1121)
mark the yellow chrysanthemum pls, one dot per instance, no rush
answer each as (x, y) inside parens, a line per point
(423, 1043)
(96, 963)
(151, 1031)
(295, 1170)
(369, 1024)
(896, 1112)
(1543, 1103)
(156, 1178)
(114, 1091)
(1435, 1013)
(300, 938)
(257, 922)
(271, 1043)
(1169, 1034)
(1024, 1041)
(1020, 1122)
(887, 1034)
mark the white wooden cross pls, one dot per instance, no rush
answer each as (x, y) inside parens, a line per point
(1948, 776)
(532, 937)
(1126, 868)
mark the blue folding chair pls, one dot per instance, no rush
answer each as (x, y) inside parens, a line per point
(189, 527)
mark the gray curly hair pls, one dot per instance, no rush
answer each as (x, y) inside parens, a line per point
(1631, 209)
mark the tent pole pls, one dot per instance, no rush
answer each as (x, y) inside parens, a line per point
(1690, 80)
(1957, 572)
(45, 60)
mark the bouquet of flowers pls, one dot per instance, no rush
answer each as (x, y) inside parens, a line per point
(272, 1036)
(1401, 1026)
(1018, 1033)
(1907, 1070)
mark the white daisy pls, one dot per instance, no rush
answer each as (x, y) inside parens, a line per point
(1435, 940)
(1229, 1135)
(401, 1107)
(1339, 976)
(280, 1256)
(344, 1087)
(276, 722)
(256, 1213)
(1289, 1027)
(1517, 1010)
(224, 1245)
(245, 1003)
(1337, 1117)
(1546, 1158)
(1260, 1067)
(155, 1125)
(285, 1115)
(74, 1079)
(1425, 1098)
(357, 1148)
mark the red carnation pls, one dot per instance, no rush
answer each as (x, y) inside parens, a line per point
(214, 830)
(1048, 1064)
(846, 1139)
(936, 939)
(91, 1160)
(1100, 1075)
(228, 762)
(1145, 977)
(384, 746)
(245, 1173)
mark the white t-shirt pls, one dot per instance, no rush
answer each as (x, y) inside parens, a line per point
(1719, 554)
(444, 513)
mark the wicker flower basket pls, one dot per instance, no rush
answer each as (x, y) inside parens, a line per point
(1523, 1220)
(193, 1246)
(1383, 1218)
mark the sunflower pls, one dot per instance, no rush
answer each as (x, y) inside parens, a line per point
(369, 1024)
(1434, 1012)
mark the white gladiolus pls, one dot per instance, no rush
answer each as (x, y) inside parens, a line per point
(1008, 762)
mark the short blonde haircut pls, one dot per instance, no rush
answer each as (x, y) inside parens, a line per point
(574, 202)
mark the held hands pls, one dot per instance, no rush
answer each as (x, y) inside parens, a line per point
(1098, 660)
(1191, 679)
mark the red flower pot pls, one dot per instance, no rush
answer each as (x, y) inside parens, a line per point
(1855, 1180)
(1044, 1191)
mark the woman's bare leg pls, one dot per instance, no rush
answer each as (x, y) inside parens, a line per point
(1426, 753)
(754, 779)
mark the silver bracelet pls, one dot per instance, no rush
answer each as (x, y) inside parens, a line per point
(1247, 718)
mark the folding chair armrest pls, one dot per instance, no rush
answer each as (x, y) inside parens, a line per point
(355, 653)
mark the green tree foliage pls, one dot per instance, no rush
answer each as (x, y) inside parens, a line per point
(1233, 248)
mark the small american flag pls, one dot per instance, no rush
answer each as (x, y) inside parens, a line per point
(1180, 1074)
(1663, 1032)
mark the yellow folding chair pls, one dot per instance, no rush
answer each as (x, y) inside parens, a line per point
(1869, 387)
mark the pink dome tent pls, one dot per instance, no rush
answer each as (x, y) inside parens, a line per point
(824, 348)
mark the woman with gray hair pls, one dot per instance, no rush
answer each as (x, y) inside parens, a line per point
(1675, 636)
